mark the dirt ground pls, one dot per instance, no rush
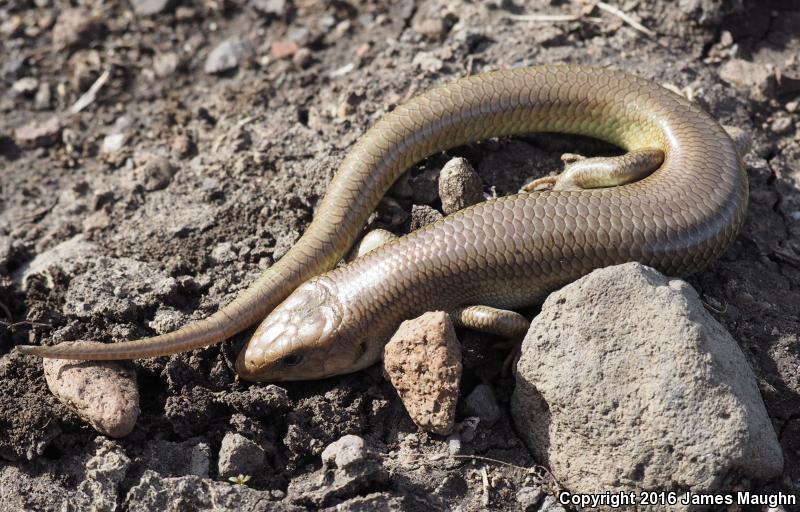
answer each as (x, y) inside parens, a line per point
(184, 178)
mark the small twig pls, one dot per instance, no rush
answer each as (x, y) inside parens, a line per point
(91, 95)
(485, 480)
(624, 17)
(13, 325)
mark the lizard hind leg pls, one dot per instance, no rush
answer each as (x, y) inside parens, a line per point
(599, 172)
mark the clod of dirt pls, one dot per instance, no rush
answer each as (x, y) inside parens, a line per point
(423, 363)
(645, 376)
(239, 456)
(361, 471)
(155, 174)
(104, 394)
(422, 215)
(342, 453)
(459, 186)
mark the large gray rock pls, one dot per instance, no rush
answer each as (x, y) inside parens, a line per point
(625, 382)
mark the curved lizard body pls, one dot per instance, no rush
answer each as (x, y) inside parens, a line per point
(507, 252)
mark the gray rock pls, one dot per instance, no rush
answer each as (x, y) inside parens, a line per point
(528, 498)
(361, 471)
(150, 7)
(104, 394)
(483, 404)
(104, 471)
(422, 215)
(658, 395)
(344, 452)
(459, 186)
(228, 55)
(240, 456)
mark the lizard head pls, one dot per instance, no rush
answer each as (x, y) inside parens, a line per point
(303, 338)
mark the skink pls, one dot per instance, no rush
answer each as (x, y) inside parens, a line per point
(505, 253)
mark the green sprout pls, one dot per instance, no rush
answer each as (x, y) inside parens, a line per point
(239, 479)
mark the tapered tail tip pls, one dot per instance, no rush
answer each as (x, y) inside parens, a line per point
(33, 350)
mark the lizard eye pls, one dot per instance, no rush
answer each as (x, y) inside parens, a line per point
(292, 360)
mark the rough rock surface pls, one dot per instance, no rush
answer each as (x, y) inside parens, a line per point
(459, 186)
(239, 456)
(349, 469)
(625, 382)
(104, 394)
(423, 363)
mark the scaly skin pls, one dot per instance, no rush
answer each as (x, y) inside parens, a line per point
(504, 253)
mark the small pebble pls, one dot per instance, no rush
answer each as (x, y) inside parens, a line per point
(149, 7)
(272, 8)
(155, 174)
(459, 186)
(240, 456)
(791, 106)
(97, 221)
(25, 86)
(427, 61)
(43, 98)
(283, 49)
(228, 55)
(302, 58)
(40, 133)
(165, 64)
(423, 363)
(482, 403)
(431, 28)
(725, 39)
(345, 451)
(454, 444)
(182, 146)
(781, 125)
(104, 394)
